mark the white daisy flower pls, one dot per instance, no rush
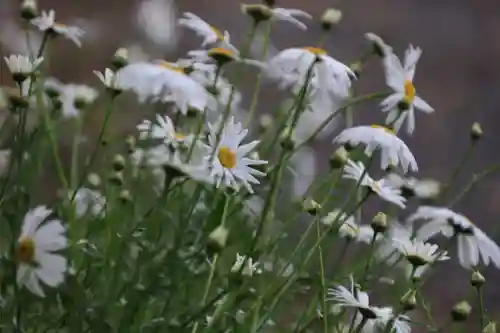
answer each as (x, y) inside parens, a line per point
(400, 79)
(379, 44)
(88, 201)
(250, 267)
(22, 67)
(47, 23)
(474, 245)
(163, 129)
(425, 189)
(349, 228)
(290, 15)
(72, 96)
(419, 253)
(393, 151)
(357, 171)
(230, 164)
(163, 81)
(35, 251)
(221, 55)
(210, 34)
(376, 317)
(109, 79)
(157, 18)
(330, 76)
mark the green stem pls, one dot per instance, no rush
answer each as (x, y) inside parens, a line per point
(457, 170)
(323, 282)
(476, 178)
(481, 308)
(369, 259)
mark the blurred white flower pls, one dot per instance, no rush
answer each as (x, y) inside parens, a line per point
(393, 151)
(303, 166)
(35, 251)
(246, 265)
(72, 96)
(400, 79)
(331, 77)
(357, 172)
(91, 202)
(163, 130)
(419, 253)
(17, 40)
(228, 158)
(377, 318)
(109, 79)
(290, 15)
(158, 20)
(411, 186)
(210, 34)
(379, 43)
(474, 245)
(221, 55)
(47, 23)
(163, 81)
(23, 66)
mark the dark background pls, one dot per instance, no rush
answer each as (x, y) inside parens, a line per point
(458, 74)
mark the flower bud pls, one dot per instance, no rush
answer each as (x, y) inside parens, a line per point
(118, 162)
(120, 58)
(311, 206)
(356, 67)
(379, 223)
(330, 17)
(491, 327)
(94, 180)
(116, 178)
(409, 300)
(270, 3)
(266, 121)
(125, 196)
(259, 12)
(461, 311)
(476, 132)
(477, 279)
(131, 143)
(217, 239)
(15, 99)
(339, 158)
(29, 10)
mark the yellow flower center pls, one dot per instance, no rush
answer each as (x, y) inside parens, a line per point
(227, 157)
(409, 91)
(179, 136)
(315, 50)
(59, 25)
(26, 250)
(172, 67)
(217, 51)
(384, 128)
(217, 32)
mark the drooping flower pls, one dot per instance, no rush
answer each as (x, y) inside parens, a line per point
(402, 103)
(210, 34)
(356, 171)
(90, 202)
(47, 23)
(425, 189)
(228, 158)
(40, 238)
(474, 245)
(22, 67)
(290, 15)
(109, 79)
(393, 151)
(165, 82)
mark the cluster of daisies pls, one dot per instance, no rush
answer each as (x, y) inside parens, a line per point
(203, 140)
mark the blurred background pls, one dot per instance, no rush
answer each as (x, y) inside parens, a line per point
(458, 74)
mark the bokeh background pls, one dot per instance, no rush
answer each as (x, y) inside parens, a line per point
(459, 75)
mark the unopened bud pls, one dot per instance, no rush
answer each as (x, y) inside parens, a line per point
(130, 142)
(339, 158)
(491, 327)
(379, 223)
(116, 178)
(330, 17)
(287, 140)
(477, 279)
(118, 162)
(94, 180)
(29, 10)
(120, 58)
(217, 239)
(311, 206)
(266, 121)
(270, 3)
(409, 300)
(476, 132)
(357, 68)
(461, 311)
(259, 12)
(125, 196)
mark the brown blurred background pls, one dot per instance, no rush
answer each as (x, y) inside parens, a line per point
(459, 75)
